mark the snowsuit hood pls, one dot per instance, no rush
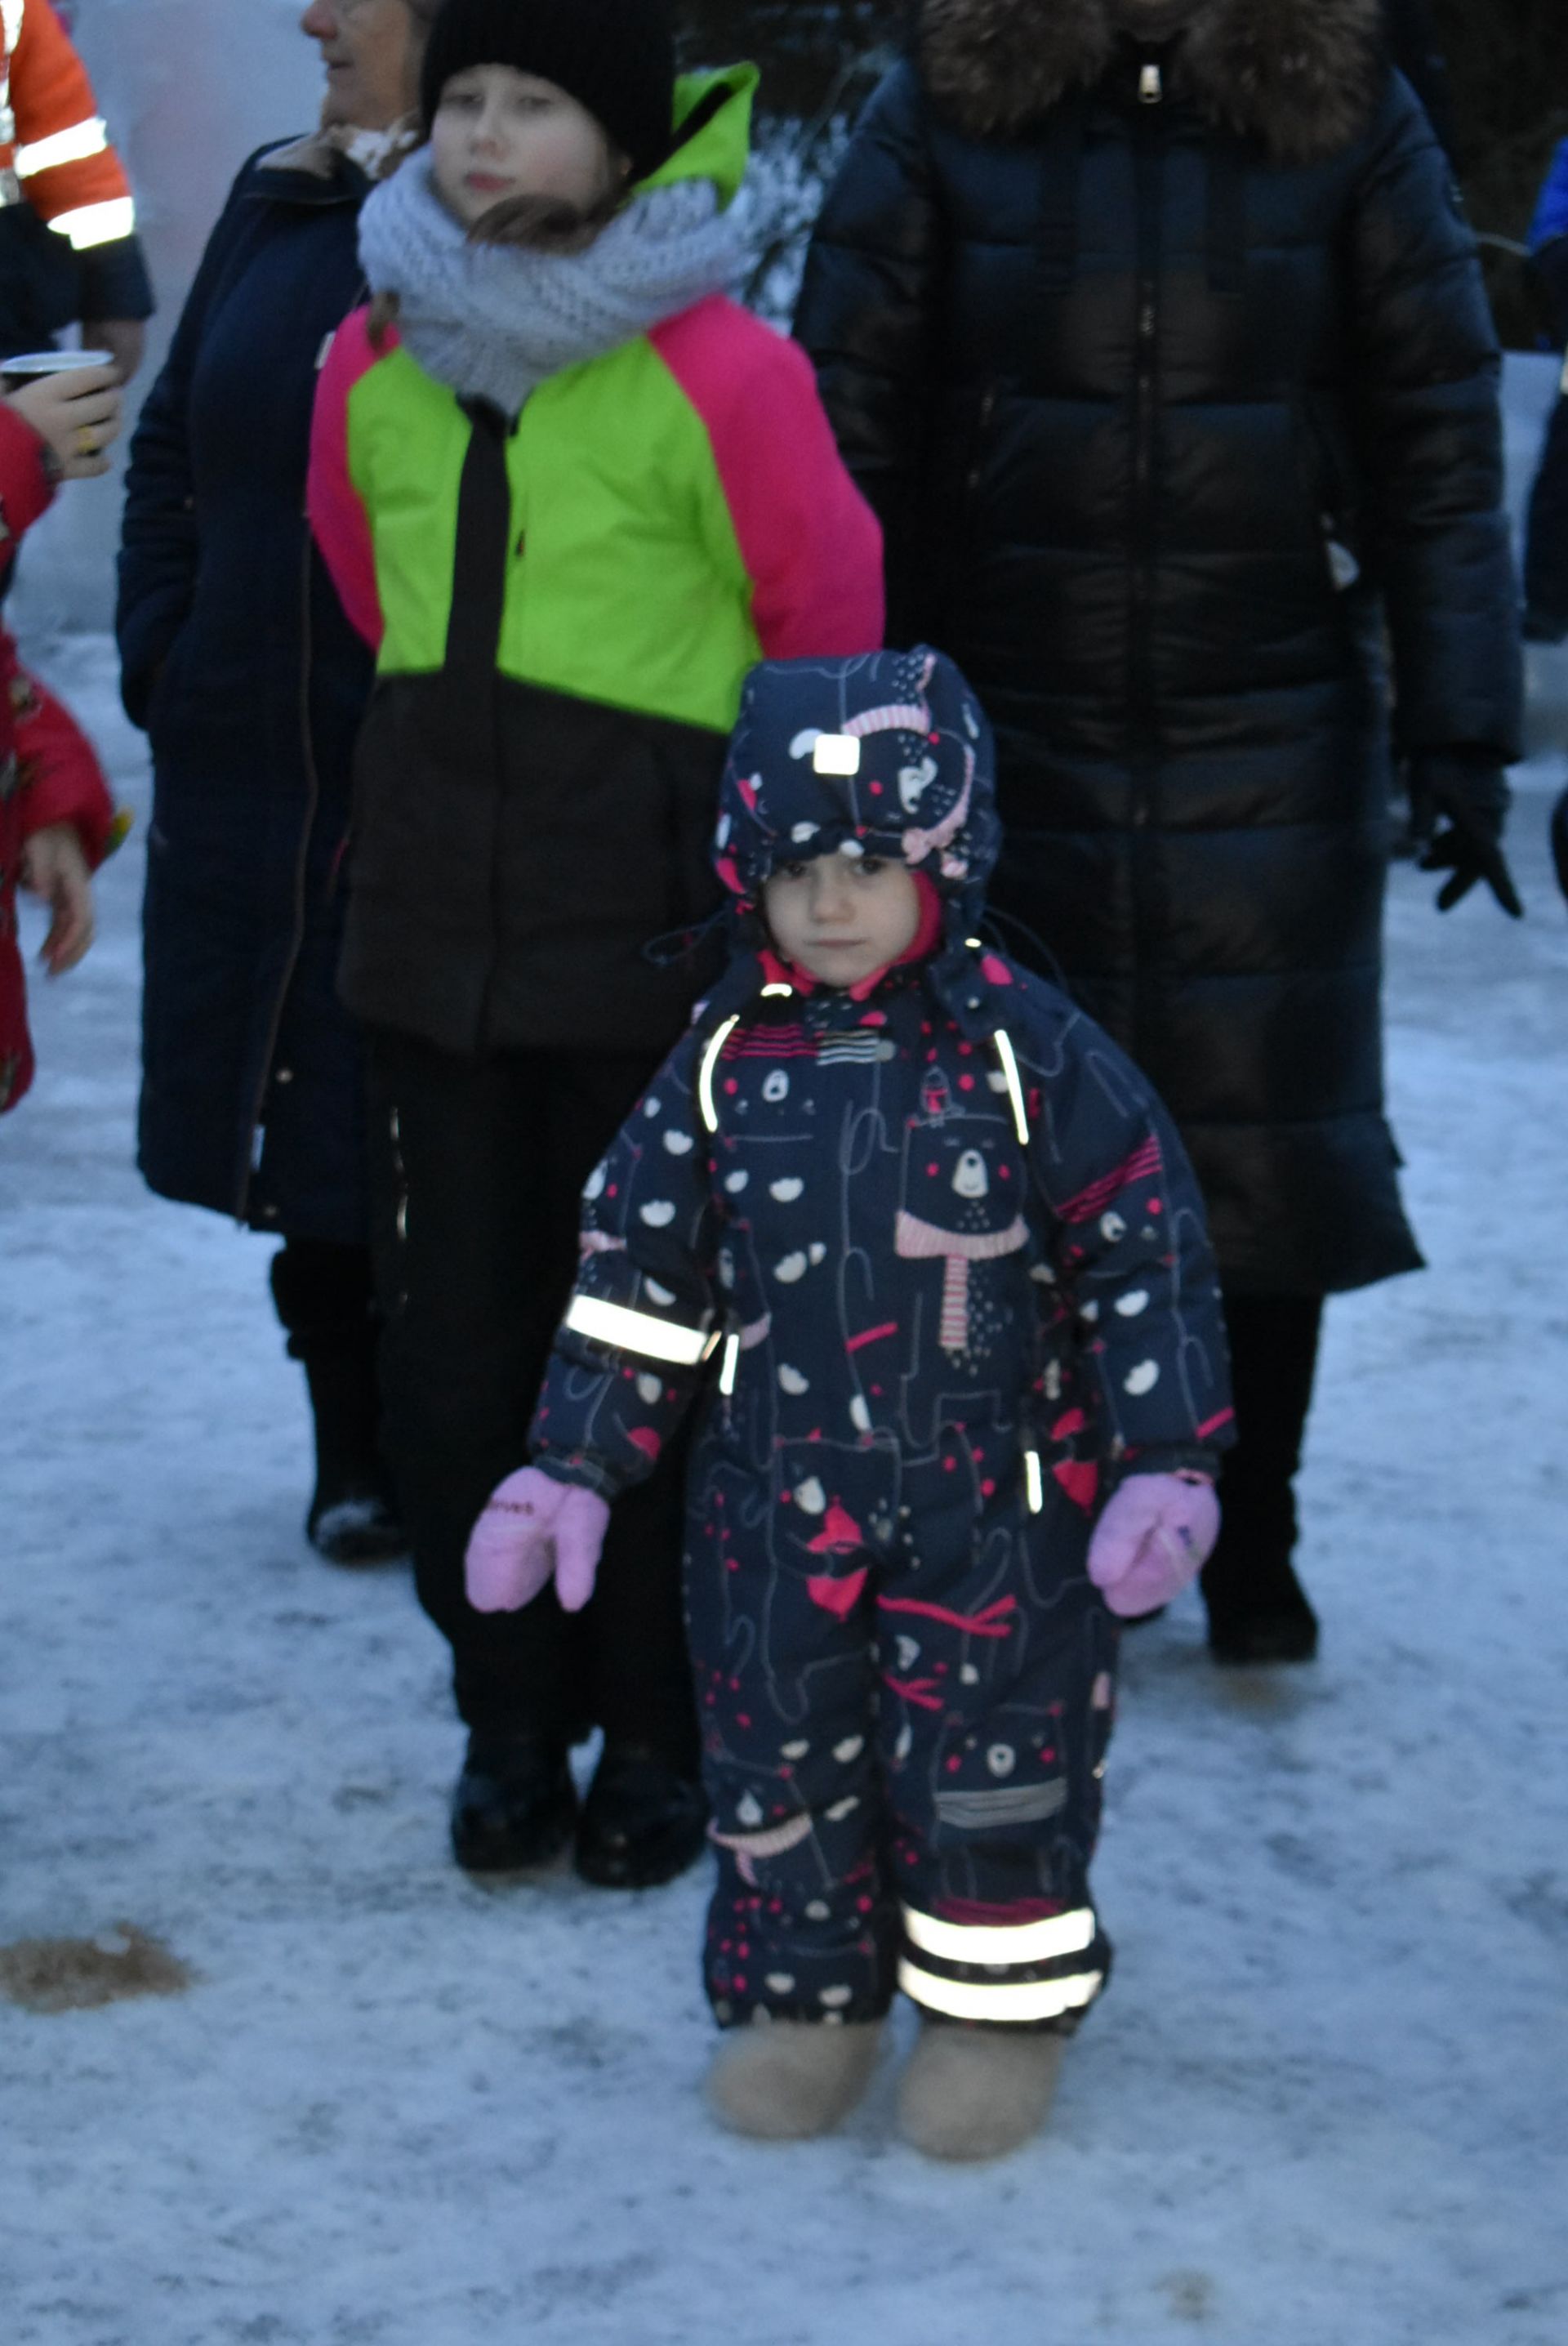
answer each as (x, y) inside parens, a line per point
(888, 754)
(1299, 76)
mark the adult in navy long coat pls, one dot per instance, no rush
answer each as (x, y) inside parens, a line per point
(1154, 334)
(237, 661)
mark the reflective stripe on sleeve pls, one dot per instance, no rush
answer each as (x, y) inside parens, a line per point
(636, 1332)
(1033, 1481)
(716, 1042)
(77, 144)
(1006, 1943)
(1009, 1063)
(1001, 1999)
(95, 224)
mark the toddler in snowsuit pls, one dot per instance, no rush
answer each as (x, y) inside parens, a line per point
(928, 1247)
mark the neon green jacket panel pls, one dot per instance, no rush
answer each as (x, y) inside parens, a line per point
(407, 439)
(644, 599)
(624, 581)
(721, 148)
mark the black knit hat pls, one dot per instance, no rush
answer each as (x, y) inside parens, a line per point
(616, 57)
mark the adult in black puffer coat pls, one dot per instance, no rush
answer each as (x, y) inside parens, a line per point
(1163, 354)
(237, 659)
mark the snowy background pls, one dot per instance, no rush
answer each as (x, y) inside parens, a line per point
(189, 88)
(1325, 2098)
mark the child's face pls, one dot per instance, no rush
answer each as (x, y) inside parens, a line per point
(842, 917)
(499, 133)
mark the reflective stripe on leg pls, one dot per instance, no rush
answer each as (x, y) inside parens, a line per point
(1002, 2000)
(1040, 1942)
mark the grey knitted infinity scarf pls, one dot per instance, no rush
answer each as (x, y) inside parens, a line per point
(493, 321)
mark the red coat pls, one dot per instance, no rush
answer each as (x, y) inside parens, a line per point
(49, 772)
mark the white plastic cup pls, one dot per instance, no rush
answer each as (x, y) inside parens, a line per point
(28, 365)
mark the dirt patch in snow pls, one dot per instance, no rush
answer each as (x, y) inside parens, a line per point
(76, 1974)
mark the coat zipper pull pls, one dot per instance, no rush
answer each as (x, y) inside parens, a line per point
(1151, 85)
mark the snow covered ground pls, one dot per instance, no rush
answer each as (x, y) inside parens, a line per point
(1324, 2100)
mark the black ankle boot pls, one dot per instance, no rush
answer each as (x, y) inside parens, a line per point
(1271, 1621)
(513, 1805)
(352, 1518)
(323, 1294)
(642, 1822)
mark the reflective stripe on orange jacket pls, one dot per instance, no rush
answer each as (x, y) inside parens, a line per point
(55, 146)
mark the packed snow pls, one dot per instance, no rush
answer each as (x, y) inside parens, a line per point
(381, 2103)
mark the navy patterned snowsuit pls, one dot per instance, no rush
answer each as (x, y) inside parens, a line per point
(923, 1339)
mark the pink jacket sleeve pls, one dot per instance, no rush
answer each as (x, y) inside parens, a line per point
(24, 485)
(338, 515)
(810, 543)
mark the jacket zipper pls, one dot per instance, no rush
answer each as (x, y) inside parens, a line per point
(982, 433)
(1140, 729)
(303, 862)
(301, 866)
(513, 546)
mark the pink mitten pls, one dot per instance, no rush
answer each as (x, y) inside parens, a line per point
(1152, 1538)
(533, 1526)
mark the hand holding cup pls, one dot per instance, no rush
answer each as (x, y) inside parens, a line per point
(75, 409)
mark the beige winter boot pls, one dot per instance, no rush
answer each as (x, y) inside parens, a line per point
(977, 2091)
(784, 2080)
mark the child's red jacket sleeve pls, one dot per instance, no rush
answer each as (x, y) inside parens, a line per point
(49, 772)
(26, 485)
(59, 779)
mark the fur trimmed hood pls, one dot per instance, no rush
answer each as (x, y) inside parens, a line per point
(1301, 75)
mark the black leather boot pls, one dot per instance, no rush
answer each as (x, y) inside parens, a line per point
(1272, 1623)
(352, 1518)
(642, 1821)
(513, 1805)
(323, 1298)
(1257, 1611)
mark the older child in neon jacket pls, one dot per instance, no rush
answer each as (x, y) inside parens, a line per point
(572, 496)
(928, 1247)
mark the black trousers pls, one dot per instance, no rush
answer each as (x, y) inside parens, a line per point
(1546, 527)
(325, 1300)
(1273, 1356)
(1546, 524)
(476, 1168)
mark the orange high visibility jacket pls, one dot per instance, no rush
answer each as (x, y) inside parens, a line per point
(55, 150)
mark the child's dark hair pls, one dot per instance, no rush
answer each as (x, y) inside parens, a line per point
(546, 223)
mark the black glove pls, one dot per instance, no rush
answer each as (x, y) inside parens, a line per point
(1467, 791)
